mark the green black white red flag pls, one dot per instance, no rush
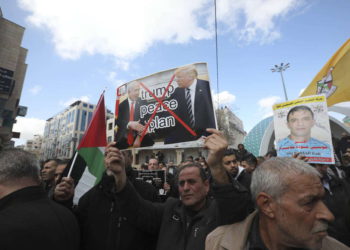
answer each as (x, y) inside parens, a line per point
(87, 165)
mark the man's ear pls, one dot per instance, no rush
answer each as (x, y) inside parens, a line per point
(266, 204)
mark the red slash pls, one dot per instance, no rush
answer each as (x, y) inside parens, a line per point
(160, 102)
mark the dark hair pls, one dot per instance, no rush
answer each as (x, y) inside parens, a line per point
(57, 161)
(63, 162)
(297, 108)
(251, 160)
(144, 166)
(230, 151)
(272, 153)
(202, 172)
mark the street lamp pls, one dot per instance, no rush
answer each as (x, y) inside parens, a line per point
(280, 69)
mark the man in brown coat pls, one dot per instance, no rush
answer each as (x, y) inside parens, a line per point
(290, 213)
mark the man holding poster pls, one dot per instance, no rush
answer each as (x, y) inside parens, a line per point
(300, 121)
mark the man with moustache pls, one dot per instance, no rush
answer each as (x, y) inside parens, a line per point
(290, 212)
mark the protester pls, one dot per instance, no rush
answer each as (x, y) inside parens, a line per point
(153, 164)
(48, 175)
(59, 170)
(229, 161)
(260, 159)
(249, 163)
(270, 154)
(102, 223)
(290, 212)
(28, 219)
(241, 153)
(201, 215)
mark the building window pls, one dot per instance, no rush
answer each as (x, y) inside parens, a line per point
(110, 126)
(83, 120)
(109, 139)
(77, 120)
(91, 106)
(84, 105)
(72, 117)
(68, 118)
(89, 118)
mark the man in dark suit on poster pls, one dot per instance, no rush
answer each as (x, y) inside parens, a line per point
(129, 124)
(195, 107)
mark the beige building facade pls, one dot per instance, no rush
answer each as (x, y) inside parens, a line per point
(64, 131)
(12, 72)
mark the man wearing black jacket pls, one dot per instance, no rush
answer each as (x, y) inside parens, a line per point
(28, 219)
(103, 224)
(185, 223)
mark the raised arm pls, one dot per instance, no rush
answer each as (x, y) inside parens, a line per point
(216, 144)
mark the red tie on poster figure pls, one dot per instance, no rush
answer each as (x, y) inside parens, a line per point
(130, 133)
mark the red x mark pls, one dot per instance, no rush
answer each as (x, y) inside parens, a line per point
(160, 102)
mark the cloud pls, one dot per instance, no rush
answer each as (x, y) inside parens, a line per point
(28, 127)
(36, 89)
(265, 105)
(73, 99)
(127, 29)
(112, 78)
(225, 98)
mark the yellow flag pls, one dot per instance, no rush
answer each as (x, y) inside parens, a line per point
(334, 78)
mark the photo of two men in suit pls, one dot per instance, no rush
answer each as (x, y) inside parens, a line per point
(194, 108)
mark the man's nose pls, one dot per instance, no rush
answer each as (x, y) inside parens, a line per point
(323, 213)
(186, 186)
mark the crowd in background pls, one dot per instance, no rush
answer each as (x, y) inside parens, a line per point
(104, 224)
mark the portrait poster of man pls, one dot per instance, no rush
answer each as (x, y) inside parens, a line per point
(172, 106)
(302, 126)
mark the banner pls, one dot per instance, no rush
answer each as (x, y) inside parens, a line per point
(302, 126)
(334, 78)
(172, 106)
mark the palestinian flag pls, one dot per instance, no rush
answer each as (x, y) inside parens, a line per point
(87, 165)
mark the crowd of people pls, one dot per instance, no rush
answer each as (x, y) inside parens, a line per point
(229, 200)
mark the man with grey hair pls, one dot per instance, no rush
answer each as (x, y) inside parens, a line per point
(28, 219)
(290, 213)
(195, 107)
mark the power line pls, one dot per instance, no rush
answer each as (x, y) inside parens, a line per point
(217, 54)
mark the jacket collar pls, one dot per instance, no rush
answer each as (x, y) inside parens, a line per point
(241, 228)
(24, 194)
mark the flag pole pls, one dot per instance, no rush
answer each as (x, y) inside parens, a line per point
(71, 166)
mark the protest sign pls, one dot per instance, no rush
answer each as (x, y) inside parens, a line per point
(302, 126)
(172, 106)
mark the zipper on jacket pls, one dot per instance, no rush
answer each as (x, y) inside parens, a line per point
(195, 231)
(112, 207)
(119, 221)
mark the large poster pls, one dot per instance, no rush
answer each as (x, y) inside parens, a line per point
(302, 126)
(172, 106)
